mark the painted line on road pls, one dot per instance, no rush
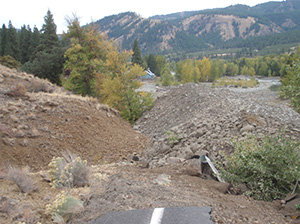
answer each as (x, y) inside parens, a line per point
(157, 215)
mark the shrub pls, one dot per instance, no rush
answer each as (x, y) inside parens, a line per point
(291, 86)
(18, 91)
(172, 137)
(269, 167)
(63, 207)
(10, 62)
(21, 177)
(74, 173)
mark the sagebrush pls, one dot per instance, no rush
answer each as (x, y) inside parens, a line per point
(63, 207)
(21, 177)
(69, 172)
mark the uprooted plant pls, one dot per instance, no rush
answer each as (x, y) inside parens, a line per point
(270, 167)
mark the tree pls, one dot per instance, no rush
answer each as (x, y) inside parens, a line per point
(205, 69)
(24, 44)
(152, 64)
(97, 68)
(49, 38)
(161, 64)
(167, 78)
(291, 82)
(3, 40)
(136, 56)
(35, 40)
(85, 58)
(47, 60)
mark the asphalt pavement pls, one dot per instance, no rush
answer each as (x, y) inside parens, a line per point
(177, 215)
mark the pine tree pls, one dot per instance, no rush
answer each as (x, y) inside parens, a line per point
(24, 44)
(136, 57)
(3, 40)
(35, 40)
(47, 60)
(49, 38)
(12, 42)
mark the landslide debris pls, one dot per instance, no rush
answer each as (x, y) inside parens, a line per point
(39, 120)
(193, 119)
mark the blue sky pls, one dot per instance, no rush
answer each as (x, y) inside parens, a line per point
(32, 12)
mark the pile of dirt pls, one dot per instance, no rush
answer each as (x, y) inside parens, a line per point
(39, 120)
(193, 119)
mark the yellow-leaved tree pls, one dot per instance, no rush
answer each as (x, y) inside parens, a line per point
(97, 68)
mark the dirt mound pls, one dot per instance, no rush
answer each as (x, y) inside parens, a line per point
(191, 119)
(39, 120)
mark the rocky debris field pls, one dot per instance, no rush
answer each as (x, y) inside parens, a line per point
(193, 119)
(39, 121)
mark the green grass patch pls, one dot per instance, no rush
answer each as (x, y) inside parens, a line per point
(244, 83)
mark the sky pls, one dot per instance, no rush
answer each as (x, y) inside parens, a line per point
(32, 12)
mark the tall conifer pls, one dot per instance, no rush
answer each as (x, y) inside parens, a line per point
(136, 57)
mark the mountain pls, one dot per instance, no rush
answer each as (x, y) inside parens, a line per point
(235, 26)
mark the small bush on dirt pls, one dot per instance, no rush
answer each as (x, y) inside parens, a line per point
(39, 86)
(172, 137)
(18, 91)
(269, 167)
(21, 177)
(63, 207)
(74, 173)
(298, 207)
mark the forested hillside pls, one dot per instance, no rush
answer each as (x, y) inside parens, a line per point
(237, 26)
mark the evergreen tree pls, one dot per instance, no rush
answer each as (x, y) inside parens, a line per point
(136, 57)
(47, 60)
(49, 38)
(3, 40)
(24, 44)
(35, 40)
(152, 65)
(12, 42)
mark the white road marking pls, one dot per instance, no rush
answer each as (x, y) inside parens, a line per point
(157, 215)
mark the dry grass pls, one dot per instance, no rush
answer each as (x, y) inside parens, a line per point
(21, 177)
(18, 91)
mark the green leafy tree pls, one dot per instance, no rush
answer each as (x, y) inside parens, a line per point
(161, 64)
(85, 58)
(291, 82)
(152, 64)
(167, 79)
(97, 68)
(136, 56)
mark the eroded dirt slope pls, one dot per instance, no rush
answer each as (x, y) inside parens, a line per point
(47, 121)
